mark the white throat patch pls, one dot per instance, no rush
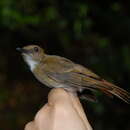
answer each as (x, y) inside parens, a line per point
(32, 64)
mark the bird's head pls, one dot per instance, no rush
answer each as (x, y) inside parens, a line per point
(32, 54)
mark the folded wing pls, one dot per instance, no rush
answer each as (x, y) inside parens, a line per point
(73, 75)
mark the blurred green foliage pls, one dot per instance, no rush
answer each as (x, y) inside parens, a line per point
(95, 34)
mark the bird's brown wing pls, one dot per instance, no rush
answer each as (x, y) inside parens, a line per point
(60, 69)
(66, 72)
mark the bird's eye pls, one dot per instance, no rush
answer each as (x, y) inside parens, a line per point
(36, 49)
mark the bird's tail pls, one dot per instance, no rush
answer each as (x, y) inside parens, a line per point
(114, 90)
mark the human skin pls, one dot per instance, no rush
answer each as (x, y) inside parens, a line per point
(62, 112)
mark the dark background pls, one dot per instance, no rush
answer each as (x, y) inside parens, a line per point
(94, 34)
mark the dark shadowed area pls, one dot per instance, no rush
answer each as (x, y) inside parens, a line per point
(94, 34)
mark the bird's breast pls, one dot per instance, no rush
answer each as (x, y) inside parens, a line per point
(43, 77)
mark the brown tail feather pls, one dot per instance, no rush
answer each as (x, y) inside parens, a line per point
(107, 88)
(119, 92)
(107, 93)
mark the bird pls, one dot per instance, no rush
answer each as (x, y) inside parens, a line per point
(59, 72)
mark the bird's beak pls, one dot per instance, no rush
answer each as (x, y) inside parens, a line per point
(22, 50)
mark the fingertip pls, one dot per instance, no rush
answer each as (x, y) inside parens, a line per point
(57, 94)
(61, 97)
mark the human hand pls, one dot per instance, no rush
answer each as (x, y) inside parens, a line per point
(62, 112)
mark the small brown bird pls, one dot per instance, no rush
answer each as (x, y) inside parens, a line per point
(59, 72)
